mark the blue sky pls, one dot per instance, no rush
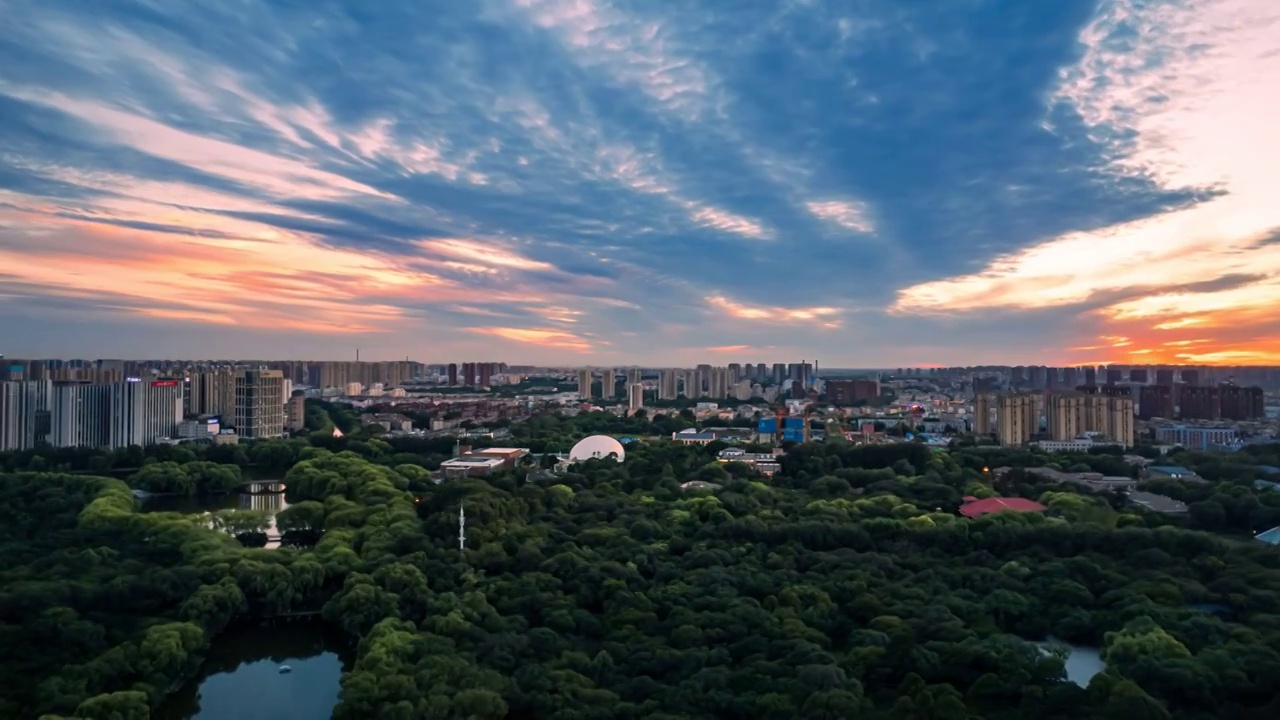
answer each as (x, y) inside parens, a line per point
(582, 181)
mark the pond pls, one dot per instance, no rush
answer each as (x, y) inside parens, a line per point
(241, 679)
(1082, 662)
(267, 496)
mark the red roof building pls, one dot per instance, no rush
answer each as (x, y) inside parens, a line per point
(978, 508)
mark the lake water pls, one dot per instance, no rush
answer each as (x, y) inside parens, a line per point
(1082, 662)
(267, 496)
(241, 680)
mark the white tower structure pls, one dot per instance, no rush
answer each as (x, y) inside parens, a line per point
(462, 530)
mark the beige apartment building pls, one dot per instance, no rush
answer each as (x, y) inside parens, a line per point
(1017, 418)
(1072, 416)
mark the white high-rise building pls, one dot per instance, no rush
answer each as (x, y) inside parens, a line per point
(24, 414)
(80, 415)
(144, 412)
(635, 397)
(584, 383)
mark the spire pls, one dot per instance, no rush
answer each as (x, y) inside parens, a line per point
(462, 530)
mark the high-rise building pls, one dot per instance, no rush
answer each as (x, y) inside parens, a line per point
(735, 372)
(295, 412)
(259, 406)
(1191, 376)
(762, 372)
(983, 404)
(1070, 376)
(584, 383)
(1119, 420)
(1138, 376)
(635, 396)
(451, 371)
(1199, 402)
(1241, 403)
(1071, 416)
(851, 392)
(690, 386)
(1164, 376)
(1156, 401)
(1090, 375)
(718, 386)
(80, 415)
(668, 384)
(211, 393)
(780, 375)
(145, 411)
(468, 378)
(1114, 375)
(25, 414)
(484, 374)
(1017, 418)
(634, 375)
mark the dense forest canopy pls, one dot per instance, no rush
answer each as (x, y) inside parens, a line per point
(846, 586)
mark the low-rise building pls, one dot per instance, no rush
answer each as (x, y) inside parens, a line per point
(974, 508)
(393, 422)
(1157, 503)
(482, 461)
(1196, 437)
(471, 466)
(693, 438)
(763, 463)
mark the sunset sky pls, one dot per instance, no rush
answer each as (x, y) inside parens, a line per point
(864, 182)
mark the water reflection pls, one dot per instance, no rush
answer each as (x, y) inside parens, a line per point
(241, 679)
(1082, 662)
(265, 496)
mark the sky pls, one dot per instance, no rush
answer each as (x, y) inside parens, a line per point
(867, 183)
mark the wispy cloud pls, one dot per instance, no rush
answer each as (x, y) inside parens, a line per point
(630, 50)
(545, 337)
(823, 316)
(850, 215)
(482, 253)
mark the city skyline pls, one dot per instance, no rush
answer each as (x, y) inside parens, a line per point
(577, 182)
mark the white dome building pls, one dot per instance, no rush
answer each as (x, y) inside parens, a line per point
(597, 447)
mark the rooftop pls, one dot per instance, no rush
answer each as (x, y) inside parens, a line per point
(1169, 470)
(1270, 537)
(1157, 503)
(472, 460)
(978, 508)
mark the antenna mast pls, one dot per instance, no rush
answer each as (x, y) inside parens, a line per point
(462, 530)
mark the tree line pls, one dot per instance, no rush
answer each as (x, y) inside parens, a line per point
(846, 586)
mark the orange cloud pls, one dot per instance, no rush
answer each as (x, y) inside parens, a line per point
(729, 348)
(277, 280)
(545, 337)
(1211, 267)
